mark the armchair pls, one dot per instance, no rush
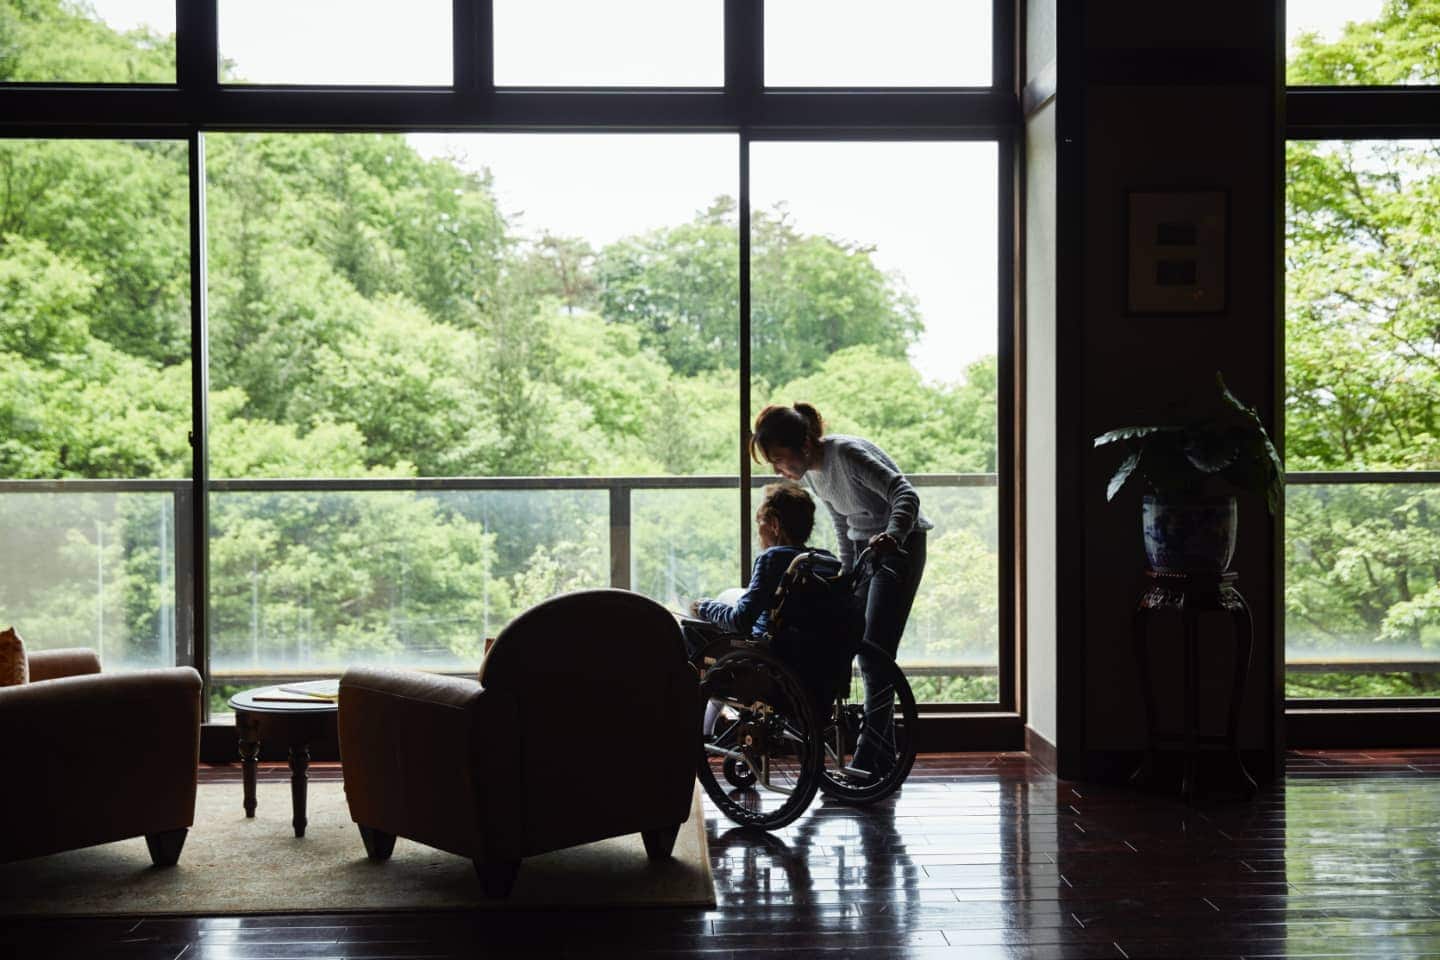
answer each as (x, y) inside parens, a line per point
(93, 758)
(497, 770)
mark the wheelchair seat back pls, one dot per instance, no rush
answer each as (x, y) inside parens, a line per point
(816, 623)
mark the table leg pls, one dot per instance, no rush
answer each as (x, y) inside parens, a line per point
(248, 730)
(299, 763)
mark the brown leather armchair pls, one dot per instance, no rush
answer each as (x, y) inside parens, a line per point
(93, 758)
(503, 769)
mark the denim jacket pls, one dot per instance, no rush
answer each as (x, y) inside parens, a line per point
(751, 613)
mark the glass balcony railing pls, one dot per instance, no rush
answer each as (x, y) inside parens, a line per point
(309, 576)
(1362, 585)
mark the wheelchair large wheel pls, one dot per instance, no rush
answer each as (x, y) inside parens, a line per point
(766, 746)
(883, 720)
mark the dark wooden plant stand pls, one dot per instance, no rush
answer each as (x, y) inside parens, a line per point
(1191, 595)
(297, 724)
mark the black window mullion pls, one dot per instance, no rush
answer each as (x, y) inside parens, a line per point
(744, 51)
(197, 48)
(473, 26)
(1006, 438)
(1004, 52)
(199, 512)
(743, 217)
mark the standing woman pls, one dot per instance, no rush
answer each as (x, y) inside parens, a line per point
(871, 503)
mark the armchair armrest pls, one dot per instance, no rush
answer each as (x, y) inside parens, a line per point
(110, 756)
(70, 662)
(411, 747)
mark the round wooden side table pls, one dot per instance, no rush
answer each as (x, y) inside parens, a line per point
(1189, 596)
(297, 723)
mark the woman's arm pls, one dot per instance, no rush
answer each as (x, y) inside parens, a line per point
(741, 616)
(875, 474)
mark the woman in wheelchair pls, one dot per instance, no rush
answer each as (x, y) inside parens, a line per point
(778, 679)
(784, 519)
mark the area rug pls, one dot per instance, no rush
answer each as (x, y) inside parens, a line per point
(234, 865)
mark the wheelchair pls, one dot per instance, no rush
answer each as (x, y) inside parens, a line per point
(794, 710)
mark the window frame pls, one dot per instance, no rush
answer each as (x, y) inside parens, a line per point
(1358, 113)
(197, 104)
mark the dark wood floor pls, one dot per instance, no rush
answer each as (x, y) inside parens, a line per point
(980, 856)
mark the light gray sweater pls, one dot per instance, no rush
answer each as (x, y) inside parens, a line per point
(865, 493)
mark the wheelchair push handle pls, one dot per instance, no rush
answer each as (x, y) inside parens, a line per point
(869, 556)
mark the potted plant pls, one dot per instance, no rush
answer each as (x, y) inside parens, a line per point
(1193, 468)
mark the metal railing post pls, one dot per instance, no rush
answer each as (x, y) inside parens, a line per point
(620, 536)
(184, 532)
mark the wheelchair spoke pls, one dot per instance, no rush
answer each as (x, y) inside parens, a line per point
(761, 767)
(880, 733)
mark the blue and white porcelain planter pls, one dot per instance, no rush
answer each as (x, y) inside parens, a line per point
(1190, 535)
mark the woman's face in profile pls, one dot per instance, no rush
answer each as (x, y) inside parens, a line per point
(790, 464)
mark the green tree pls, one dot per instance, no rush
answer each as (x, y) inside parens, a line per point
(1363, 364)
(811, 295)
(48, 41)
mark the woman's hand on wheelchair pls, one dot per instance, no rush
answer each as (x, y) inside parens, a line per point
(883, 543)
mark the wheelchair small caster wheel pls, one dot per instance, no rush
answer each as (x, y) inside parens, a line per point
(738, 773)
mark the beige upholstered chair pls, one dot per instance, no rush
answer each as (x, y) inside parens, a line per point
(93, 758)
(505, 768)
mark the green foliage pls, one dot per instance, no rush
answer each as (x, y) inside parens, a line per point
(811, 296)
(1400, 46)
(1310, 686)
(48, 41)
(1363, 368)
(372, 314)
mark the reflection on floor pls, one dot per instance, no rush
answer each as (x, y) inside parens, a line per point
(980, 856)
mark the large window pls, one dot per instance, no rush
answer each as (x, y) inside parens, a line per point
(1362, 365)
(388, 307)
(490, 327)
(873, 275)
(94, 395)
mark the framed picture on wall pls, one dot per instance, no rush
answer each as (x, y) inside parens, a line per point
(1176, 251)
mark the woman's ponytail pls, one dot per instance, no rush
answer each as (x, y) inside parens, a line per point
(814, 423)
(790, 428)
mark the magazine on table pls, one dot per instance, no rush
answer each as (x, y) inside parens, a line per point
(319, 689)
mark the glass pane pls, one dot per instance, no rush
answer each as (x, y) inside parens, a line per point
(1362, 596)
(620, 43)
(1361, 269)
(341, 42)
(91, 570)
(95, 386)
(308, 583)
(1362, 593)
(683, 544)
(1361, 43)
(95, 310)
(874, 297)
(437, 306)
(102, 41)
(858, 43)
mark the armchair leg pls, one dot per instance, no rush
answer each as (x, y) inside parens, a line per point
(660, 842)
(497, 877)
(378, 844)
(165, 846)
